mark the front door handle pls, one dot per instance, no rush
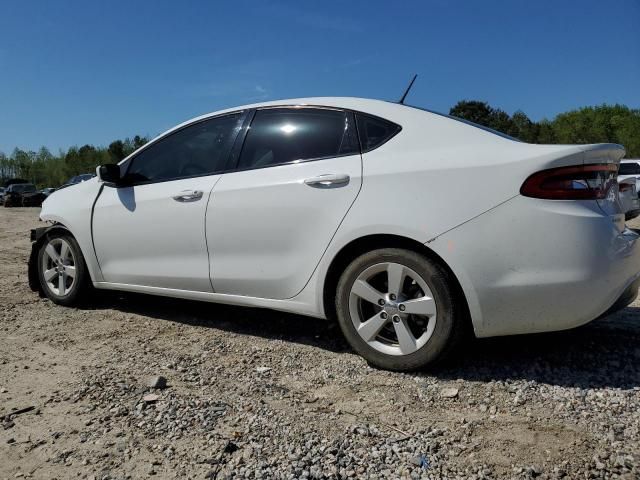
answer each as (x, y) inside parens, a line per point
(188, 196)
(329, 180)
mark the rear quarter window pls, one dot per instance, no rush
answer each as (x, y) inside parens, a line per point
(375, 131)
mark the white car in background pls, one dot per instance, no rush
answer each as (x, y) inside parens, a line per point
(629, 201)
(629, 168)
(628, 175)
(406, 225)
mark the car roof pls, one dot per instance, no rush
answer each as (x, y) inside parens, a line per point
(366, 105)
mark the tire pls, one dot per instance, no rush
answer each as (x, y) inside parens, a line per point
(435, 322)
(74, 287)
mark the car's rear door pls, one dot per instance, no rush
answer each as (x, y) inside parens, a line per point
(271, 218)
(150, 232)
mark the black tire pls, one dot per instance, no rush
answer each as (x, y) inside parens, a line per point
(81, 284)
(450, 317)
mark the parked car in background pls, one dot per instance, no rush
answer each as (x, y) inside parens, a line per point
(2, 189)
(11, 181)
(77, 179)
(630, 168)
(15, 193)
(353, 209)
(48, 191)
(628, 195)
(33, 199)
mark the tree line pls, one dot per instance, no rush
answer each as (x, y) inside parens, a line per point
(599, 124)
(45, 169)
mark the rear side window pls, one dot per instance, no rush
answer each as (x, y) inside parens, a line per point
(375, 131)
(631, 168)
(286, 135)
(198, 149)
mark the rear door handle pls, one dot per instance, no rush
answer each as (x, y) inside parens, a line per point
(188, 196)
(329, 180)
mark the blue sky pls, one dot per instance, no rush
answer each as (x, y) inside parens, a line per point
(76, 72)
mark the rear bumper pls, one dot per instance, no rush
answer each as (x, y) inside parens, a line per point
(536, 266)
(627, 297)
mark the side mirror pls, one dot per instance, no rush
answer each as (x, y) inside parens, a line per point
(109, 173)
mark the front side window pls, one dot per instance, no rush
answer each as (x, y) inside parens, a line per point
(374, 131)
(196, 150)
(286, 135)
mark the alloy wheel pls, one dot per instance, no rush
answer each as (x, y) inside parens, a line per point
(59, 267)
(392, 308)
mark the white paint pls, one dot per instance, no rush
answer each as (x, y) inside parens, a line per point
(525, 265)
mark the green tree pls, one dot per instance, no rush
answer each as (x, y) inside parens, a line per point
(116, 151)
(604, 123)
(524, 128)
(473, 111)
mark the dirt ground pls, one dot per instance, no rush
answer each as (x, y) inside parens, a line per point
(260, 394)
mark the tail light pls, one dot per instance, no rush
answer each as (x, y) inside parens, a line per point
(583, 182)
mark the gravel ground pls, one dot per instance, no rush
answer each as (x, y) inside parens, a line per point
(259, 394)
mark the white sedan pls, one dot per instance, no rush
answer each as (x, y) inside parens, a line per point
(405, 225)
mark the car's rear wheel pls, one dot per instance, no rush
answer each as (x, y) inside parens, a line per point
(61, 269)
(397, 309)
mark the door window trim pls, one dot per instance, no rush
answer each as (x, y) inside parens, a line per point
(238, 142)
(241, 121)
(242, 137)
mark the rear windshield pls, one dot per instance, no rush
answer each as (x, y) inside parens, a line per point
(462, 120)
(629, 168)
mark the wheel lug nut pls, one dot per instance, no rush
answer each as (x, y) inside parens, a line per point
(381, 302)
(392, 296)
(402, 308)
(396, 318)
(383, 315)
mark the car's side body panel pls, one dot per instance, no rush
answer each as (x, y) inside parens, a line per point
(143, 236)
(267, 229)
(301, 306)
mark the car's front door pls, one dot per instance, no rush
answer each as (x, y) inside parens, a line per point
(150, 231)
(271, 218)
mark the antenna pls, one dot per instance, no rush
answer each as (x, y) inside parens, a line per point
(406, 92)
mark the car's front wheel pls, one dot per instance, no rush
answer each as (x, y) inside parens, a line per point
(397, 309)
(61, 269)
